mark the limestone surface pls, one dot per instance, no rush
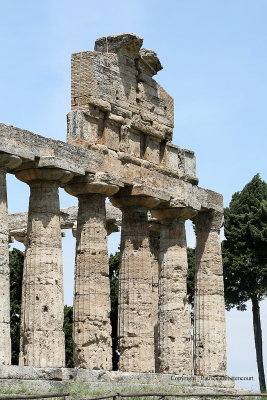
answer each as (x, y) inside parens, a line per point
(5, 342)
(42, 337)
(209, 331)
(119, 134)
(175, 347)
(62, 379)
(40, 152)
(136, 319)
(92, 329)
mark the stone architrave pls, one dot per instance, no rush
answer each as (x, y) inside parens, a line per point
(91, 308)
(175, 346)
(135, 325)
(42, 309)
(121, 121)
(209, 331)
(7, 161)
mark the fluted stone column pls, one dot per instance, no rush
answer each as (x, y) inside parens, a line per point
(175, 347)
(6, 161)
(209, 325)
(135, 325)
(91, 308)
(154, 240)
(42, 309)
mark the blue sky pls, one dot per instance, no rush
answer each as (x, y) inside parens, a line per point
(215, 62)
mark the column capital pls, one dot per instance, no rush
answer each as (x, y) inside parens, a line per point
(211, 220)
(9, 161)
(35, 175)
(100, 183)
(135, 202)
(139, 196)
(167, 215)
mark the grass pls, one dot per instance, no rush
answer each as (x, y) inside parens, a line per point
(81, 389)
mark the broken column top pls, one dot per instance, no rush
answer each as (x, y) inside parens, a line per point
(117, 78)
(117, 103)
(129, 44)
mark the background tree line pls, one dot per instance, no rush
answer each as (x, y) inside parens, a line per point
(245, 272)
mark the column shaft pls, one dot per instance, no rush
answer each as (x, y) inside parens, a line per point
(175, 348)
(209, 325)
(5, 342)
(42, 338)
(136, 330)
(91, 328)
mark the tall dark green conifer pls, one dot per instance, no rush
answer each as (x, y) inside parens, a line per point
(16, 259)
(191, 275)
(245, 256)
(114, 262)
(67, 329)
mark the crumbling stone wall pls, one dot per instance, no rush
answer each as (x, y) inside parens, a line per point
(119, 133)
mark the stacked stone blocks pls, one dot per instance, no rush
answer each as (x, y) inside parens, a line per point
(118, 146)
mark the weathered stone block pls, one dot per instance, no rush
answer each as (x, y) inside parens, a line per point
(153, 150)
(171, 159)
(119, 144)
(134, 144)
(111, 135)
(38, 344)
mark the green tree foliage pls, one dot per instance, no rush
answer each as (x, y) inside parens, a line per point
(16, 259)
(191, 279)
(191, 275)
(67, 328)
(114, 262)
(245, 256)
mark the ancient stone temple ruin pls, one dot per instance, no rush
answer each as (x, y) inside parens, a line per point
(119, 146)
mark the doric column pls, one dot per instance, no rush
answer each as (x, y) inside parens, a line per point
(42, 309)
(209, 325)
(175, 347)
(154, 240)
(135, 325)
(7, 161)
(91, 307)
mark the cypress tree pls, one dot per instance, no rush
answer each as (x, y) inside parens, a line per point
(245, 256)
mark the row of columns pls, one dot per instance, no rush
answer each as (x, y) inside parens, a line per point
(151, 336)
